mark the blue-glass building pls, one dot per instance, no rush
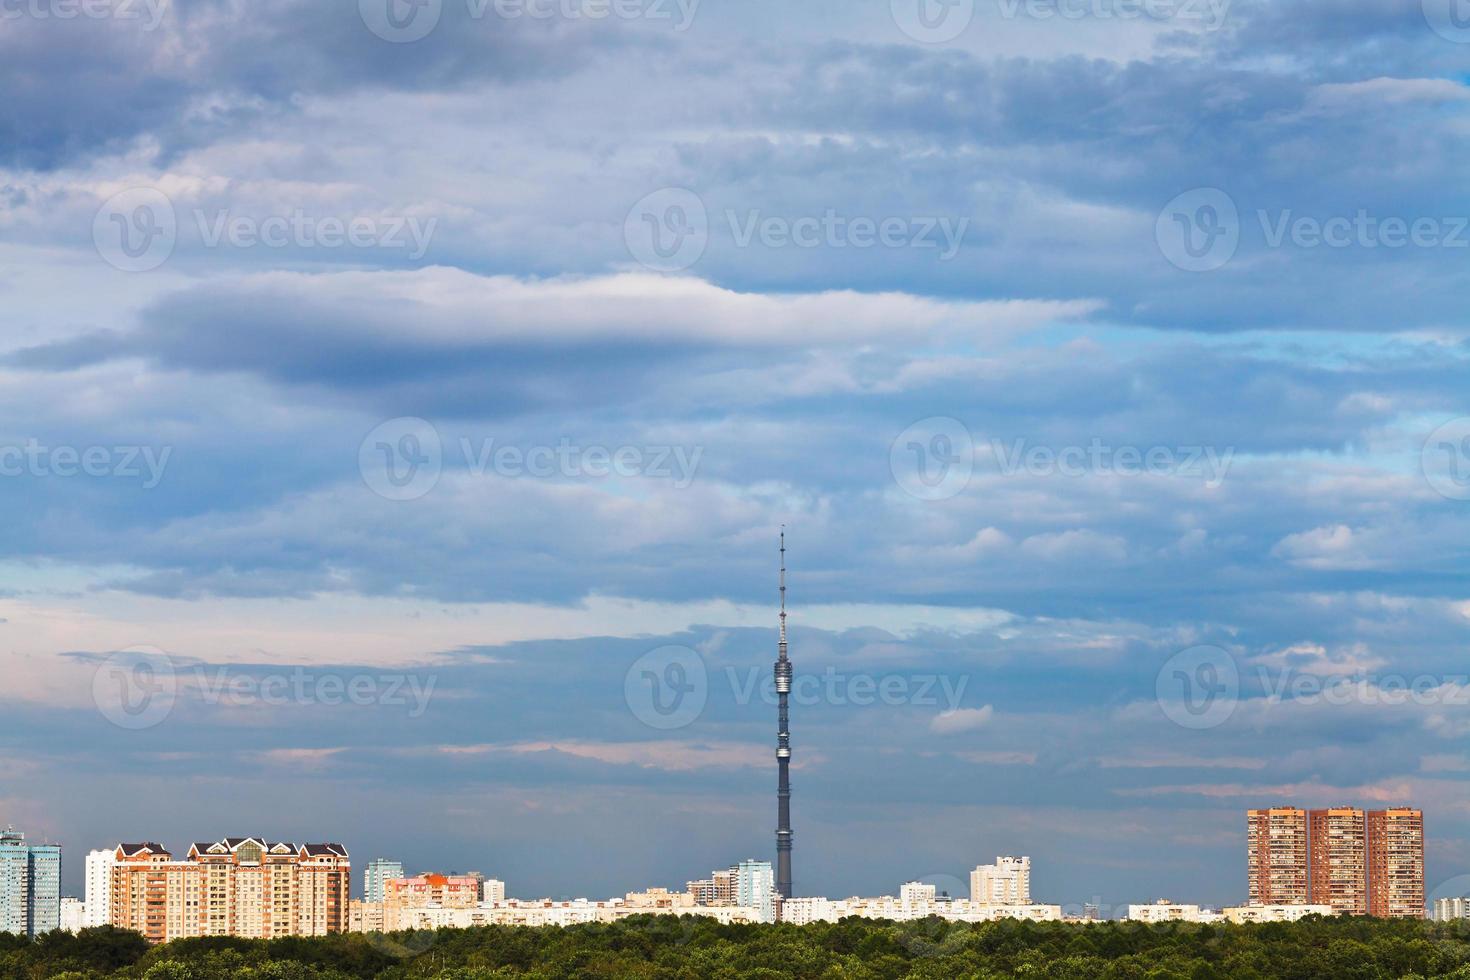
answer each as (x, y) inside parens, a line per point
(30, 885)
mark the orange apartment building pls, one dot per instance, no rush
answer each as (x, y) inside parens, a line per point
(1355, 862)
(1276, 860)
(1396, 863)
(1338, 845)
(239, 886)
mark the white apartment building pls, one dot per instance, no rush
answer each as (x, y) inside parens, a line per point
(98, 900)
(801, 911)
(73, 915)
(1006, 882)
(916, 893)
(1450, 909)
(1164, 910)
(492, 890)
(805, 911)
(545, 912)
(1274, 913)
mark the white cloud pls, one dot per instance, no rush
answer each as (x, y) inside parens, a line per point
(961, 720)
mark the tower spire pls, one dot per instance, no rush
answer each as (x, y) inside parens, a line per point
(783, 746)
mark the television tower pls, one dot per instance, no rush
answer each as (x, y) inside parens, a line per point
(783, 748)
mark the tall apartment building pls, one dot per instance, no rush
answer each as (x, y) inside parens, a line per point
(1396, 863)
(30, 885)
(1338, 847)
(755, 886)
(718, 889)
(1276, 856)
(98, 898)
(239, 886)
(1006, 882)
(378, 872)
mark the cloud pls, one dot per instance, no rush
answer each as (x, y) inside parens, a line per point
(961, 720)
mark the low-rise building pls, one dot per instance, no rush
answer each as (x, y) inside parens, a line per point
(1450, 909)
(1274, 913)
(1164, 910)
(73, 915)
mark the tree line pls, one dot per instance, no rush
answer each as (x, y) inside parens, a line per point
(693, 948)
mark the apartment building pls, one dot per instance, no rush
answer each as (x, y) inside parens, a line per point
(30, 885)
(1338, 846)
(1006, 882)
(1396, 863)
(238, 886)
(1276, 856)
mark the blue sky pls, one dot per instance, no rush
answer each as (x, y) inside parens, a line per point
(920, 294)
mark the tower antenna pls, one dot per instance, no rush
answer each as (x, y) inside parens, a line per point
(783, 747)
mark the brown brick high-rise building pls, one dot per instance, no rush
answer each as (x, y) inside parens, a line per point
(1337, 841)
(1396, 863)
(1276, 855)
(239, 886)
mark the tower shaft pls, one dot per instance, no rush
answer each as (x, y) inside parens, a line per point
(783, 748)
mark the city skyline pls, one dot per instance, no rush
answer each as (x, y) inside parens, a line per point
(1342, 859)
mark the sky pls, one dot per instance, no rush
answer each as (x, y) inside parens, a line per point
(402, 402)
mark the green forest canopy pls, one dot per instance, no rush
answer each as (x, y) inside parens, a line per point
(692, 948)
